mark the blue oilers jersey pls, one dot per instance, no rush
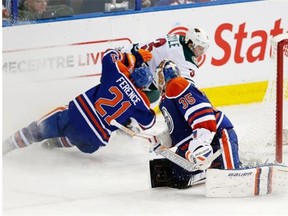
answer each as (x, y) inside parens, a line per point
(115, 98)
(185, 109)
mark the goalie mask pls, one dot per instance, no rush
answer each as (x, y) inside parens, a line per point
(165, 71)
(200, 41)
(142, 77)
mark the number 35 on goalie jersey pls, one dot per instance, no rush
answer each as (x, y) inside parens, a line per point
(185, 109)
(115, 98)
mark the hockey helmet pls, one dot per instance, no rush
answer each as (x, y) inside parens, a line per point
(165, 71)
(199, 38)
(142, 77)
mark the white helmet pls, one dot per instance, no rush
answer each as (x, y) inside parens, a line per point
(199, 38)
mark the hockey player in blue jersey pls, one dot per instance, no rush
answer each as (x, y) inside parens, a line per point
(196, 128)
(85, 122)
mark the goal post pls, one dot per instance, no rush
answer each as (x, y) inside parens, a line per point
(264, 147)
(280, 43)
(269, 128)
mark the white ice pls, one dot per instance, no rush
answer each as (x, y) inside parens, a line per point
(115, 181)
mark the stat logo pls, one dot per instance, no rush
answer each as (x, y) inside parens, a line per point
(181, 30)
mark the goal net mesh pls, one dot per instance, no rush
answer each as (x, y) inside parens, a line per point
(259, 143)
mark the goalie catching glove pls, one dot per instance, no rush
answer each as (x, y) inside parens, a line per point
(200, 149)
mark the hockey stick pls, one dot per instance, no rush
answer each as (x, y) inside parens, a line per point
(165, 152)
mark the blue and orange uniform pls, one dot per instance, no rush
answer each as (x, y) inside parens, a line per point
(85, 122)
(186, 109)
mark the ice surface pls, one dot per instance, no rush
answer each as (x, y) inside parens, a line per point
(114, 181)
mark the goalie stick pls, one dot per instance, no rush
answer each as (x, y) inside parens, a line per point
(167, 153)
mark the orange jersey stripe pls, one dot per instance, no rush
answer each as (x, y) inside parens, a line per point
(144, 96)
(199, 113)
(257, 182)
(209, 125)
(270, 177)
(226, 150)
(123, 69)
(94, 120)
(57, 109)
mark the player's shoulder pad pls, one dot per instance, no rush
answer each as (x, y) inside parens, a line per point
(176, 86)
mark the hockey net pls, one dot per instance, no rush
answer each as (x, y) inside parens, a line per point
(267, 137)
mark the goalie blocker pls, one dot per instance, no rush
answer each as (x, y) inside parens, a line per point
(164, 173)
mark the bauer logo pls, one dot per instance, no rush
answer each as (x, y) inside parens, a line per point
(181, 30)
(237, 174)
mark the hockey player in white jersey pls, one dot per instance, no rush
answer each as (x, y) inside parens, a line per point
(183, 50)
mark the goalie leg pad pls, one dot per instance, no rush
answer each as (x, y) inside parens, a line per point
(254, 181)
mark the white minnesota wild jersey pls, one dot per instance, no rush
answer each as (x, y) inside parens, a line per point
(171, 47)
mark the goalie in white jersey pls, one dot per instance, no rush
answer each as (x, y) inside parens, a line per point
(183, 50)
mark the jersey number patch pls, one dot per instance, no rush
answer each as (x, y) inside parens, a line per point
(186, 100)
(118, 97)
(158, 43)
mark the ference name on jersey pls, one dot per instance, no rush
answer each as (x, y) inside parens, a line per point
(130, 92)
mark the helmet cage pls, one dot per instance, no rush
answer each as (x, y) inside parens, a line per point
(165, 71)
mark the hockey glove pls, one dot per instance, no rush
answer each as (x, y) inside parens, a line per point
(142, 56)
(199, 149)
(129, 61)
(160, 138)
(133, 125)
